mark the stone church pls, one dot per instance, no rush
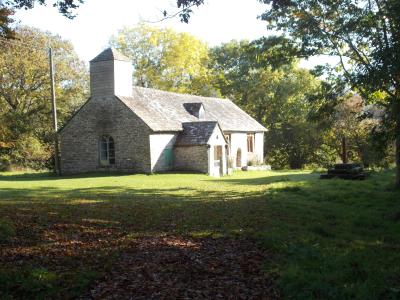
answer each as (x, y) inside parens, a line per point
(135, 129)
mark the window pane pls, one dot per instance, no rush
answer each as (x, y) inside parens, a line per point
(103, 150)
(250, 143)
(111, 150)
(103, 155)
(107, 151)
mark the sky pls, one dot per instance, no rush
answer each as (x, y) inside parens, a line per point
(216, 22)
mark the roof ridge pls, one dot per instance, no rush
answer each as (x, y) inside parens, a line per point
(200, 121)
(110, 54)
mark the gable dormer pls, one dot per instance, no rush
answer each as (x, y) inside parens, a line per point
(195, 109)
(110, 74)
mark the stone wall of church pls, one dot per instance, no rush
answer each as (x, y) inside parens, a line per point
(79, 139)
(191, 158)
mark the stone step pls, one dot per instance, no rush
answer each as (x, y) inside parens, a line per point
(355, 170)
(346, 166)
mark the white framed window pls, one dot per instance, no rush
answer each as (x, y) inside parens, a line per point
(106, 150)
(250, 143)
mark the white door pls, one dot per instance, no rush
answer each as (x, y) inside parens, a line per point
(217, 165)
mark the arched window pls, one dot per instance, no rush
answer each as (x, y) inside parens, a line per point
(107, 151)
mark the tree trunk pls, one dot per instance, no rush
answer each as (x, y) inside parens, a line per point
(397, 150)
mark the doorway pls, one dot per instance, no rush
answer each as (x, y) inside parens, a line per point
(218, 160)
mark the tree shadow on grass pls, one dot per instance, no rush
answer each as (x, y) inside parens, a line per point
(5, 176)
(44, 176)
(69, 233)
(64, 234)
(144, 209)
(271, 178)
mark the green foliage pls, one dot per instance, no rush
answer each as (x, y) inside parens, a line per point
(365, 37)
(185, 6)
(30, 152)
(25, 106)
(5, 164)
(305, 117)
(349, 116)
(260, 80)
(165, 59)
(5, 22)
(364, 32)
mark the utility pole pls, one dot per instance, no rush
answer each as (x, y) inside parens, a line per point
(344, 150)
(54, 110)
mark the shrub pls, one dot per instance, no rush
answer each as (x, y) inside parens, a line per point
(314, 167)
(28, 152)
(255, 161)
(277, 159)
(5, 163)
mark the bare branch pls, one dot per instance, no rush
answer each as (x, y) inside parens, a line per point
(166, 16)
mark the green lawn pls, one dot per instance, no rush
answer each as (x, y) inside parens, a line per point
(327, 239)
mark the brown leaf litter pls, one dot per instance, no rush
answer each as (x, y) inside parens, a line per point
(174, 267)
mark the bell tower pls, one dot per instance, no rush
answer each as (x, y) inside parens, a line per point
(110, 74)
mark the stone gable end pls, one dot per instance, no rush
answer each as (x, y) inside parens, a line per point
(105, 116)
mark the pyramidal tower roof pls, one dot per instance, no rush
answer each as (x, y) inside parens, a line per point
(110, 54)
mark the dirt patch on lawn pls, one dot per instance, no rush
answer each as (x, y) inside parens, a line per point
(173, 267)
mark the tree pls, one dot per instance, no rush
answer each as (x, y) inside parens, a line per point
(356, 122)
(365, 35)
(165, 59)
(25, 101)
(271, 88)
(5, 21)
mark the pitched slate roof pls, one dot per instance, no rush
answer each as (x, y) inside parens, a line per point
(195, 133)
(165, 111)
(110, 54)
